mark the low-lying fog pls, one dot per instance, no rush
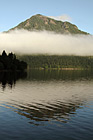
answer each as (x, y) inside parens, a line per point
(33, 42)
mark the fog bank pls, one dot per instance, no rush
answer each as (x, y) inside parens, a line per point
(27, 42)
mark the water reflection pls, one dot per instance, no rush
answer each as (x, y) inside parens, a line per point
(39, 113)
(49, 75)
(46, 105)
(10, 78)
(47, 95)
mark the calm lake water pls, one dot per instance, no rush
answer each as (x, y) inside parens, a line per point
(46, 105)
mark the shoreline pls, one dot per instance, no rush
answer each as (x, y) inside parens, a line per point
(66, 69)
(60, 69)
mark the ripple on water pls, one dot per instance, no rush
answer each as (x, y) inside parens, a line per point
(52, 109)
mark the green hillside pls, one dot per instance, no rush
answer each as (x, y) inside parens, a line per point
(40, 23)
(57, 61)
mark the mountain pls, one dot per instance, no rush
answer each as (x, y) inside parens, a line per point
(39, 22)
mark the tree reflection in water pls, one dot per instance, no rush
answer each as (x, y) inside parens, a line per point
(42, 110)
(10, 78)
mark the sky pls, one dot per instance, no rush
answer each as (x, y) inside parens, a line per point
(78, 12)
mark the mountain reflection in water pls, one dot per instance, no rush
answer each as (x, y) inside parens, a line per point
(41, 113)
(59, 84)
(46, 105)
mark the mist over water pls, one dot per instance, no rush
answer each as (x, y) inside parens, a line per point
(36, 42)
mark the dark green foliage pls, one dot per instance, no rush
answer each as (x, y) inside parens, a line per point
(54, 61)
(9, 62)
(1, 66)
(40, 23)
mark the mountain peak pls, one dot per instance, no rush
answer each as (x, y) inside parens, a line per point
(38, 15)
(40, 22)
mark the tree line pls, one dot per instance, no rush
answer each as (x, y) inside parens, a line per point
(57, 61)
(10, 62)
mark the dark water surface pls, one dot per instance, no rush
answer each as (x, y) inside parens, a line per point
(46, 105)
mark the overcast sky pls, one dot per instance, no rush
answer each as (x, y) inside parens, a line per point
(79, 12)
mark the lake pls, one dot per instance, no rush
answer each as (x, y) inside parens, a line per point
(46, 105)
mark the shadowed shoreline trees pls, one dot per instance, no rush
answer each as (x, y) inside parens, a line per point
(11, 63)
